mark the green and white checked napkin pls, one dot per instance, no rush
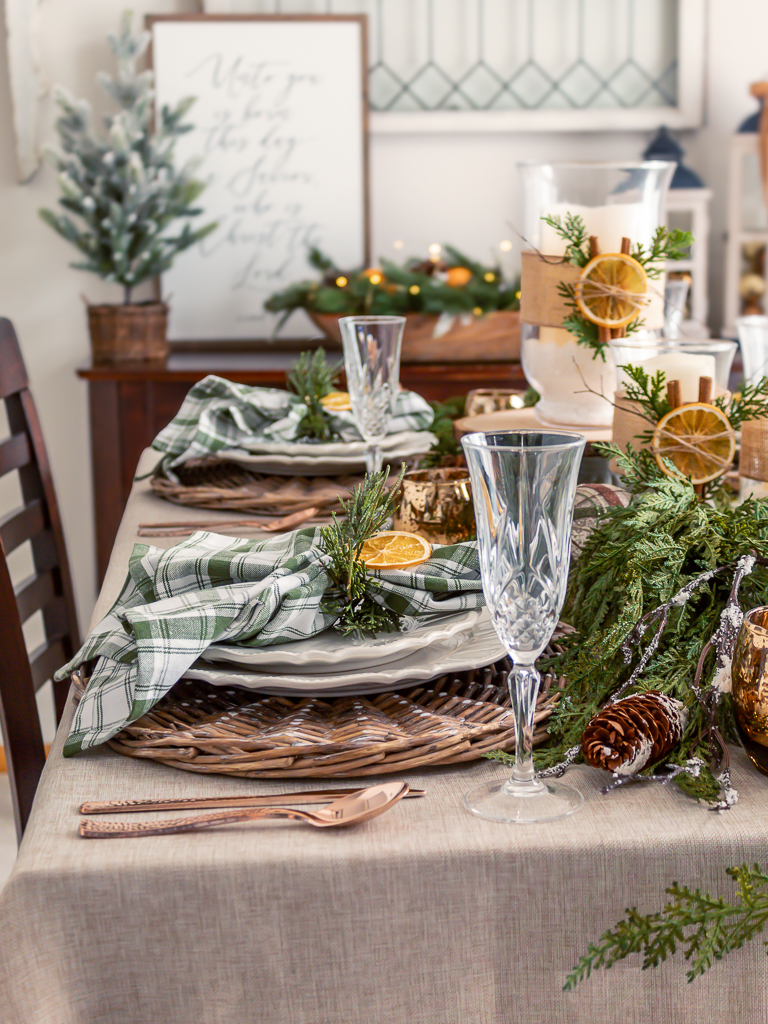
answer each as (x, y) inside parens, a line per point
(209, 588)
(218, 414)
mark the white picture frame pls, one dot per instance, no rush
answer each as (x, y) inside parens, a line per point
(280, 132)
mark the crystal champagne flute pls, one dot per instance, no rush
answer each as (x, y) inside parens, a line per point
(523, 489)
(372, 362)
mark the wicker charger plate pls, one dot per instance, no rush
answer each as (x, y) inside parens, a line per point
(202, 728)
(214, 484)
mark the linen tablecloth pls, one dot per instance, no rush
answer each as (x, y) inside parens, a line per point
(425, 915)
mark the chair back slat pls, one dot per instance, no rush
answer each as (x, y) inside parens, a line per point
(34, 594)
(47, 591)
(15, 453)
(44, 661)
(22, 525)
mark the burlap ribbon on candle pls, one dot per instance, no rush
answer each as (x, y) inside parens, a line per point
(542, 305)
(629, 420)
(753, 461)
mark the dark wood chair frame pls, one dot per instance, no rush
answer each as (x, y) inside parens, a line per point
(47, 590)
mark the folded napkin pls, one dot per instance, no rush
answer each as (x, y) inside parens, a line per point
(218, 414)
(209, 588)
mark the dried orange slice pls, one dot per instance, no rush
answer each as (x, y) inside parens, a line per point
(697, 439)
(395, 549)
(606, 287)
(336, 401)
(456, 277)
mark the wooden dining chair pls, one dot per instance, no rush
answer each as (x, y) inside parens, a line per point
(48, 589)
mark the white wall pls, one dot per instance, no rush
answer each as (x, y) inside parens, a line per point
(459, 189)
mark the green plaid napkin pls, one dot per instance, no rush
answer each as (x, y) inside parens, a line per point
(220, 414)
(210, 588)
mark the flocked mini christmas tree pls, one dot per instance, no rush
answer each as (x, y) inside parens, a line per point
(124, 187)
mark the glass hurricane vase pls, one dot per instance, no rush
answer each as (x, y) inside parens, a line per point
(614, 201)
(523, 489)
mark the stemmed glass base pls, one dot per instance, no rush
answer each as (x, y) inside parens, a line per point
(373, 459)
(522, 804)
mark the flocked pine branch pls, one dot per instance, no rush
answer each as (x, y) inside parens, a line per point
(123, 189)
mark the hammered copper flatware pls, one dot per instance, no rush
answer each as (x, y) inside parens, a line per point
(351, 809)
(182, 528)
(317, 796)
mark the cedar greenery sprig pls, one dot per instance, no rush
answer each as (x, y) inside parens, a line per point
(665, 245)
(704, 927)
(365, 514)
(312, 379)
(637, 559)
(416, 286)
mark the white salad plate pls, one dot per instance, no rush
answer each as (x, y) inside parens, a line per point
(476, 647)
(324, 459)
(331, 650)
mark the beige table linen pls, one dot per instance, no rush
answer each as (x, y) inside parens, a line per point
(424, 916)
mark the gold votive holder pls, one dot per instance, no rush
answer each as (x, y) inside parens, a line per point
(484, 400)
(749, 683)
(437, 505)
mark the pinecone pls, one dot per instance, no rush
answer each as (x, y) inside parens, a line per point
(635, 731)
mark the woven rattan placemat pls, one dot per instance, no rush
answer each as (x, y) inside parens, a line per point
(203, 728)
(215, 484)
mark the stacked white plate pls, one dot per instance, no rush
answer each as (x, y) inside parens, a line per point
(337, 458)
(333, 665)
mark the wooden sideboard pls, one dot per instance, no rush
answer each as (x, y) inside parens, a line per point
(131, 402)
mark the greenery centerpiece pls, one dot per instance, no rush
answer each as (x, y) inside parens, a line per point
(133, 205)
(449, 301)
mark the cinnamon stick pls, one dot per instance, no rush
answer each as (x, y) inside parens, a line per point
(705, 389)
(673, 394)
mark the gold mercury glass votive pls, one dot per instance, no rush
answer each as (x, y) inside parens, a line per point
(749, 675)
(437, 505)
(484, 400)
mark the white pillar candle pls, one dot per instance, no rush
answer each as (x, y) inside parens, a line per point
(685, 367)
(609, 223)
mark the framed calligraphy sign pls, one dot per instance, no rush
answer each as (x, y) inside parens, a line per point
(280, 136)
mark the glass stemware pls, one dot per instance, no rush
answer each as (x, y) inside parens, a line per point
(523, 489)
(372, 362)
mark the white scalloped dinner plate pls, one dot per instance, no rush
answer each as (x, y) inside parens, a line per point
(480, 648)
(330, 649)
(324, 459)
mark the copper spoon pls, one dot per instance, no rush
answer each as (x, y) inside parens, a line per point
(184, 803)
(348, 810)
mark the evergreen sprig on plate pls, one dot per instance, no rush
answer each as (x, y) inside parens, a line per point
(312, 379)
(704, 927)
(365, 513)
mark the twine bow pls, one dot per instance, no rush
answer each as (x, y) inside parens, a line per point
(692, 444)
(603, 289)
